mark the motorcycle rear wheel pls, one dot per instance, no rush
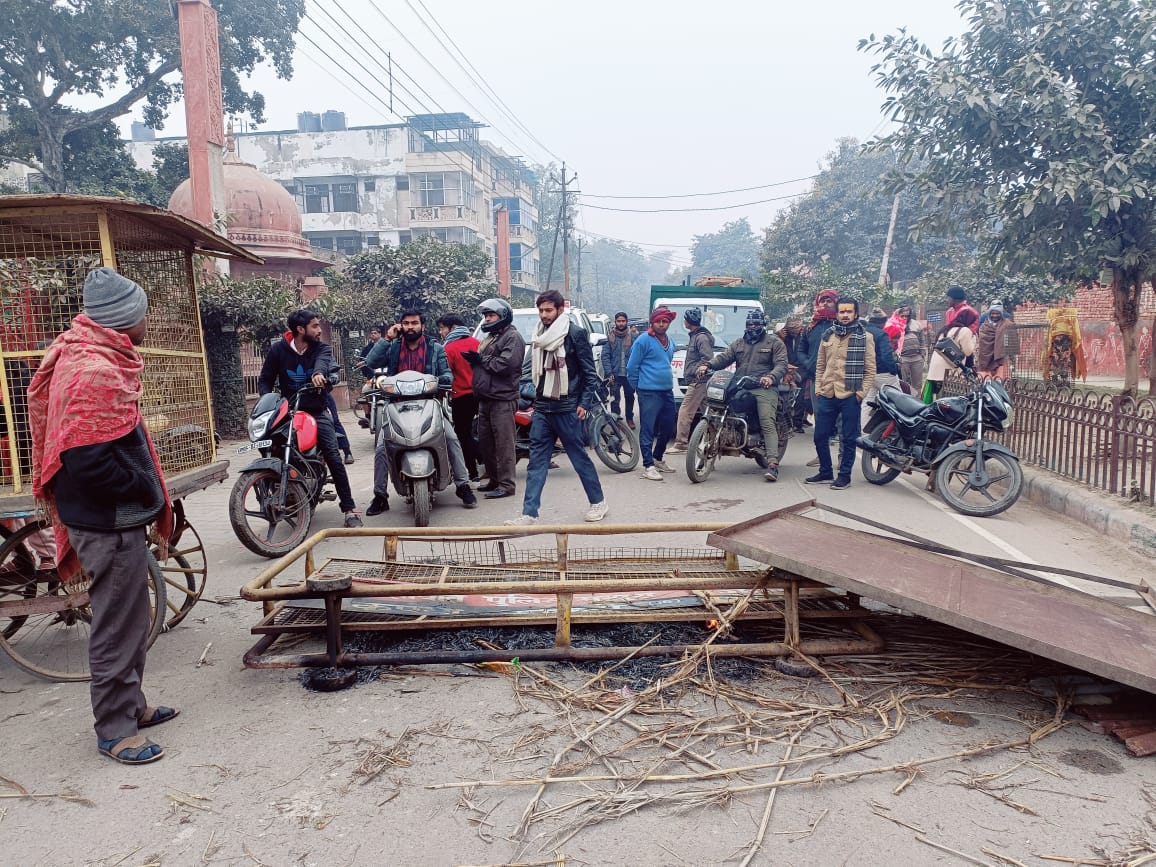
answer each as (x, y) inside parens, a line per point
(1005, 483)
(422, 502)
(701, 452)
(615, 443)
(873, 469)
(262, 526)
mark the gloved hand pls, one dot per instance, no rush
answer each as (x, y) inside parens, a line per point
(472, 357)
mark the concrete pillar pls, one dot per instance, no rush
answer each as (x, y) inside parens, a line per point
(204, 111)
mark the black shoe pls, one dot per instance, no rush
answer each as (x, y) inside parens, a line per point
(349, 458)
(377, 505)
(488, 486)
(466, 495)
(498, 493)
(819, 479)
(840, 484)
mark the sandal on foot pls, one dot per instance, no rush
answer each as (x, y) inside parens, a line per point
(142, 755)
(154, 716)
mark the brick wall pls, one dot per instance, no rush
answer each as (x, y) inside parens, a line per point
(1103, 347)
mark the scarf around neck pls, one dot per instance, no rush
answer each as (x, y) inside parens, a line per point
(823, 314)
(855, 368)
(548, 359)
(86, 391)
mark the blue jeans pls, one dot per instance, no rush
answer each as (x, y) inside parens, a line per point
(828, 410)
(544, 429)
(658, 418)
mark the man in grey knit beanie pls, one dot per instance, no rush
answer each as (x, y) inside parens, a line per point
(113, 301)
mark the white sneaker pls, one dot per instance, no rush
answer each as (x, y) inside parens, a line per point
(662, 467)
(597, 512)
(521, 521)
(676, 449)
(652, 474)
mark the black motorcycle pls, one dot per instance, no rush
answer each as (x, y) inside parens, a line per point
(729, 425)
(945, 439)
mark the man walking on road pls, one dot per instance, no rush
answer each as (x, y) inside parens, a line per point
(565, 380)
(844, 372)
(652, 379)
(96, 472)
(406, 347)
(497, 367)
(460, 343)
(761, 355)
(699, 349)
(620, 340)
(299, 361)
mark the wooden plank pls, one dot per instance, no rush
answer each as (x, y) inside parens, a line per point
(1056, 622)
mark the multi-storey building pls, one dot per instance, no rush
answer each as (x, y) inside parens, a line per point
(361, 187)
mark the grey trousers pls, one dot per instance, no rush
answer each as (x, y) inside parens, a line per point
(458, 471)
(118, 641)
(767, 401)
(496, 434)
(911, 372)
(691, 401)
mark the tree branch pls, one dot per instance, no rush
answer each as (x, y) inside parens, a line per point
(126, 102)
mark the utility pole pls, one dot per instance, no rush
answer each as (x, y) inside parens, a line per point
(887, 243)
(582, 242)
(565, 182)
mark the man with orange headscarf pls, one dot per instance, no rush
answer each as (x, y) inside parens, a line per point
(650, 374)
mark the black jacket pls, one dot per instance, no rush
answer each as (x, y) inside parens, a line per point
(108, 486)
(580, 372)
(884, 355)
(288, 371)
(497, 374)
(809, 346)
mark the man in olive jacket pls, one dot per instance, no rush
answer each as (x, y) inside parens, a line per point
(497, 367)
(760, 354)
(844, 373)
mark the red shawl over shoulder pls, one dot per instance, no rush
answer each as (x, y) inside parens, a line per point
(86, 391)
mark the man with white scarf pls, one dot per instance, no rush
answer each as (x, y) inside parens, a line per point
(565, 380)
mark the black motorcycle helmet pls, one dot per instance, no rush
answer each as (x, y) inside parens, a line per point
(758, 320)
(503, 309)
(693, 316)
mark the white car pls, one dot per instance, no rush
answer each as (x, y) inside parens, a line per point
(526, 321)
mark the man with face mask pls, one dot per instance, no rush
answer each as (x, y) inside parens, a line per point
(405, 347)
(761, 355)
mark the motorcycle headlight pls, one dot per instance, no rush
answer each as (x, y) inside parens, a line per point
(258, 425)
(714, 392)
(410, 387)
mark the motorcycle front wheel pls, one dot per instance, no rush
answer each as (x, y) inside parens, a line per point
(263, 525)
(873, 469)
(615, 443)
(422, 502)
(701, 452)
(1004, 485)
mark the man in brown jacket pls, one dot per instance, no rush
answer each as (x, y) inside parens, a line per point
(844, 373)
(699, 349)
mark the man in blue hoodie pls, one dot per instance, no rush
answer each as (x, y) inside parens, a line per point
(651, 377)
(299, 361)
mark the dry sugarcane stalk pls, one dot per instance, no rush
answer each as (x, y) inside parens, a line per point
(758, 841)
(948, 849)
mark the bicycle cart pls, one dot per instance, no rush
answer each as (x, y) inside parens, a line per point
(48, 244)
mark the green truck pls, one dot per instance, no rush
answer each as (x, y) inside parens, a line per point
(724, 304)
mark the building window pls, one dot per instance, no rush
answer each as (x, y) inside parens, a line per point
(372, 239)
(317, 199)
(404, 237)
(345, 197)
(320, 242)
(370, 186)
(515, 257)
(430, 189)
(348, 244)
(519, 211)
(402, 183)
(435, 189)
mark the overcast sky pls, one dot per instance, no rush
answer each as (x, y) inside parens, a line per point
(640, 97)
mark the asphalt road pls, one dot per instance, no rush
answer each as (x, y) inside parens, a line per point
(259, 771)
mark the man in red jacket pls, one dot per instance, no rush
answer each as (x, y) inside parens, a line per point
(457, 340)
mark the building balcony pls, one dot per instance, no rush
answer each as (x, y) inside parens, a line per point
(525, 279)
(445, 215)
(524, 234)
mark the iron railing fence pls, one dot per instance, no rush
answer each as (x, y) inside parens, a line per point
(1106, 441)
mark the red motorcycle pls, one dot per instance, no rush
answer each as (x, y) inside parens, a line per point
(272, 502)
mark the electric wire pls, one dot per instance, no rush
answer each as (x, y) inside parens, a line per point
(689, 210)
(700, 195)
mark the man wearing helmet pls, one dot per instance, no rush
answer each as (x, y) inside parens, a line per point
(699, 350)
(760, 354)
(497, 365)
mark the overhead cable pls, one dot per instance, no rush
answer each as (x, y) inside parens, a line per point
(699, 195)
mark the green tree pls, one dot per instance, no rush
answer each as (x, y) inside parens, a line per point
(171, 167)
(1034, 128)
(52, 51)
(425, 275)
(731, 251)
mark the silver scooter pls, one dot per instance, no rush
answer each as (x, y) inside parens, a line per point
(413, 434)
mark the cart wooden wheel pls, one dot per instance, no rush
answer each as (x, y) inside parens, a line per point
(44, 627)
(184, 570)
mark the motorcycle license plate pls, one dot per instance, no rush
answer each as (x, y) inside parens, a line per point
(260, 444)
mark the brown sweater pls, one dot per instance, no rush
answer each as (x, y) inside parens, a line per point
(831, 367)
